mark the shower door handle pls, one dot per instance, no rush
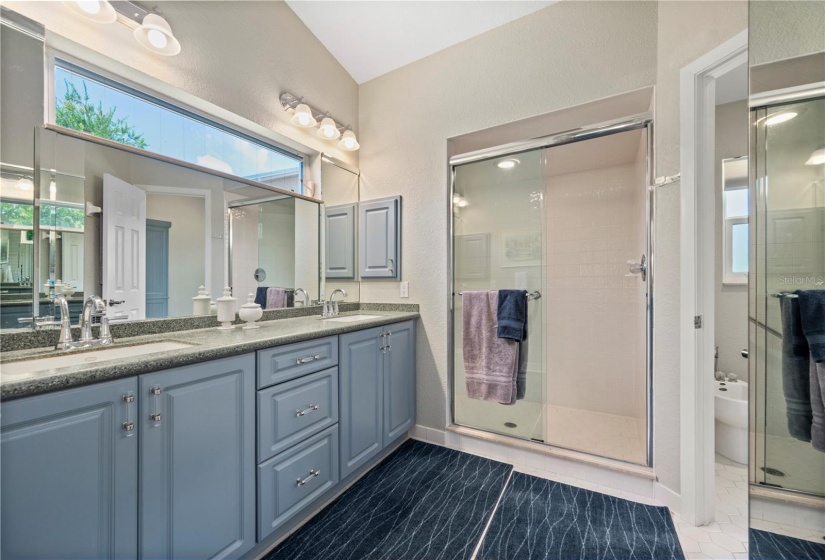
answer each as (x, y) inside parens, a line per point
(637, 268)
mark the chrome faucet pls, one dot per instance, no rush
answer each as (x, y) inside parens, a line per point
(64, 340)
(94, 306)
(306, 296)
(331, 306)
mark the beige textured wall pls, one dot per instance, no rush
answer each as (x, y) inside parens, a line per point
(786, 29)
(564, 55)
(731, 300)
(684, 34)
(238, 56)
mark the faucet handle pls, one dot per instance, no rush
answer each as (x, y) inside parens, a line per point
(113, 302)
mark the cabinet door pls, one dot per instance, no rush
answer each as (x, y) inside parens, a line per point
(379, 238)
(361, 368)
(197, 463)
(340, 241)
(69, 474)
(399, 380)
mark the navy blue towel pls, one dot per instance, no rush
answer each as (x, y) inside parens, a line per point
(260, 296)
(796, 382)
(812, 312)
(512, 314)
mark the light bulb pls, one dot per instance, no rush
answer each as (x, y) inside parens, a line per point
(456, 199)
(463, 204)
(303, 116)
(348, 142)
(328, 129)
(157, 38)
(779, 118)
(89, 6)
(817, 157)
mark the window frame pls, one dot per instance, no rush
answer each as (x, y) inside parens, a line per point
(729, 277)
(109, 79)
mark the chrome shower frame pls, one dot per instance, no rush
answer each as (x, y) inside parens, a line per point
(607, 128)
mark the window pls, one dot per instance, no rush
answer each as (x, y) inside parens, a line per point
(91, 103)
(735, 221)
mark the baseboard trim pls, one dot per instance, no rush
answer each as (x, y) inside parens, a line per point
(667, 497)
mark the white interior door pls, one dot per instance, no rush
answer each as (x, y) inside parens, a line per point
(124, 249)
(72, 248)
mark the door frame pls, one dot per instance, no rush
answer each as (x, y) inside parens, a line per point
(697, 249)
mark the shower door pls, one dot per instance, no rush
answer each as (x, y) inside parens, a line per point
(788, 245)
(568, 221)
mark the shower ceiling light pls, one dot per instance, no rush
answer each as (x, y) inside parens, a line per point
(305, 116)
(156, 35)
(99, 11)
(779, 118)
(817, 157)
(508, 163)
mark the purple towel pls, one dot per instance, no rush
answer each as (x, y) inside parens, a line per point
(490, 362)
(275, 298)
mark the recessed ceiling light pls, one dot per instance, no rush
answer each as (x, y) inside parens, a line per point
(508, 163)
(780, 118)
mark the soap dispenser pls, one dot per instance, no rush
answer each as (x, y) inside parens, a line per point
(226, 310)
(200, 303)
(251, 312)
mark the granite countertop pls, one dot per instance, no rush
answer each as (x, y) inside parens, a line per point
(207, 344)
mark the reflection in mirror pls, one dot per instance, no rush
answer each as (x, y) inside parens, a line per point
(146, 233)
(16, 246)
(340, 187)
(787, 182)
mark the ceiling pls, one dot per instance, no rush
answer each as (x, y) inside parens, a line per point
(372, 38)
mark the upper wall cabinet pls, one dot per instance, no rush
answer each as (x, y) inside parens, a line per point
(340, 241)
(379, 238)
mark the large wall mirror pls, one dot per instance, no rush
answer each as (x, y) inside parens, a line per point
(147, 232)
(787, 278)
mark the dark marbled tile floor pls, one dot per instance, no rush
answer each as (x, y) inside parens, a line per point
(422, 502)
(544, 519)
(770, 546)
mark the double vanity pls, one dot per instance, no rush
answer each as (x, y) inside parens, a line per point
(200, 443)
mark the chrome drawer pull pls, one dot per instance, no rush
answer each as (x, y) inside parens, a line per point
(306, 360)
(312, 474)
(311, 408)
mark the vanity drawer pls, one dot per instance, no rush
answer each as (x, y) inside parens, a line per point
(292, 480)
(283, 363)
(290, 412)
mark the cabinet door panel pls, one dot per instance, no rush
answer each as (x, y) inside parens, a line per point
(379, 238)
(399, 380)
(361, 408)
(340, 241)
(198, 461)
(69, 475)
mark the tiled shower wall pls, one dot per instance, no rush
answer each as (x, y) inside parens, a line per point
(595, 318)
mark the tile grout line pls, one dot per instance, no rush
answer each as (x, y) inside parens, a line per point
(492, 514)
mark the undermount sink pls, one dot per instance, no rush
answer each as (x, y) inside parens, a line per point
(351, 318)
(27, 368)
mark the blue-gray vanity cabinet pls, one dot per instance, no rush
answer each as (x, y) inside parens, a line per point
(361, 367)
(377, 380)
(69, 474)
(399, 380)
(282, 363)
(379, 238)
(197, 460)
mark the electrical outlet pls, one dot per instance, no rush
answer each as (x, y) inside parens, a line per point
(404, 289)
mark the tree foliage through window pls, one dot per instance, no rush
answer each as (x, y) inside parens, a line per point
(78, 112)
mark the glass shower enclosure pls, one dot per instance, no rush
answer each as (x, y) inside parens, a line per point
(787, 255)
(566, 218)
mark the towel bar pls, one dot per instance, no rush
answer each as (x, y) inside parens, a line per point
(530, 295)
(784, 294)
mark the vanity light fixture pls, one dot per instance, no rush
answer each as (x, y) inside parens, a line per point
(817, 157)
(100, 11)
(779, 118)
(24, 184)
(508, 163)
(305, 116)
(155, 34)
